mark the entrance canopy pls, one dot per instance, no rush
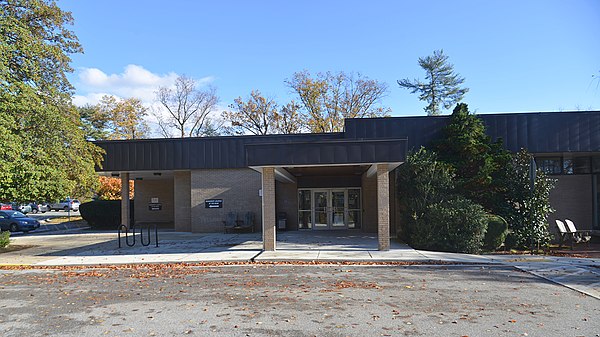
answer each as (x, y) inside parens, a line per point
(331, 152)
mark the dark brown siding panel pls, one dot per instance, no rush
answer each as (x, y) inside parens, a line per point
(554, 132)
(326, 153)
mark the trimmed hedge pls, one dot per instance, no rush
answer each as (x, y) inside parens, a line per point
(497, 229)
(4, 239)
(454, 225)
(103, 214)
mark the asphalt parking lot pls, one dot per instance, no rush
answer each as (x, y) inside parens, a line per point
(282, 300)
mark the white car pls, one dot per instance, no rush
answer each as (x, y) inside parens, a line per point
(65, 205)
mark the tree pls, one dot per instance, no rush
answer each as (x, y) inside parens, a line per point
(478, 162)
(435, 217)
(329, 98)
(124, 118)
(213, 127)
(110, 188)
(527, 205)
(187, 107)
(442, 87)
(259, 115)
(94, 123)
(43, 151)
(289, 119)
(256, 115)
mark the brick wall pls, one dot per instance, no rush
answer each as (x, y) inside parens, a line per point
(237, 187)
(147, 189)
(369, 203)
(183, 201)
(287, 201)
(572, 199)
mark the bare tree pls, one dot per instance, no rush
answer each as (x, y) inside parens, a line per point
(187, 107)
(328, 98)
(289, 119)
(257, 114)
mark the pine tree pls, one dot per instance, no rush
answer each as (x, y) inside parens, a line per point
(442, 88)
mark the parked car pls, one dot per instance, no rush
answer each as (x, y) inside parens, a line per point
(15, 221)
(6, 207)
(39, 207)
(24, 208)
(65, 205)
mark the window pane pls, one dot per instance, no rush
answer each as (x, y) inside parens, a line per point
(353, 199)
(549, 165)
(596, 164)
(568, 166)
(353, 219)
(304, 221)
(582, 165)
(304, 200)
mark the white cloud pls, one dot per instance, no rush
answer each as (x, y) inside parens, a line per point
(134, 81)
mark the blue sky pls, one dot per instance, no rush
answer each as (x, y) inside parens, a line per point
(515, 55)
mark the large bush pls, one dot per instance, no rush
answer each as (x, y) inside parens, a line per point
(422, 181)
(103, 214)
(434, 217)
(455, 225)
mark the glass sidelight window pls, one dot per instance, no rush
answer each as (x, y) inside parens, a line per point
(304, 209)
(354, 208)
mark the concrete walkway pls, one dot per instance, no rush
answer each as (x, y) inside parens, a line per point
(77, 247)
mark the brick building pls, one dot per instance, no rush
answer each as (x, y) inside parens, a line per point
(340, 180)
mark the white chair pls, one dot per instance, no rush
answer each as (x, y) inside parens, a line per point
(578, 236)
(563, 233)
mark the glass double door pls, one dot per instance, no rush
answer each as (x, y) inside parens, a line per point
(329, 208)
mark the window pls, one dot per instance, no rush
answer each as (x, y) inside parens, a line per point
(549, 165)
(568, 166)
(582, 165)
(596, 164)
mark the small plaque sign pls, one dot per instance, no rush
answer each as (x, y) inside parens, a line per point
(213, 203)
(155, 206)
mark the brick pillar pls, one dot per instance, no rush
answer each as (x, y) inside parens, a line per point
(182, 201)
(125, 211)
(268, 208)
(383, 207)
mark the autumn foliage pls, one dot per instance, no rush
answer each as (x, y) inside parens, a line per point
(110, 188)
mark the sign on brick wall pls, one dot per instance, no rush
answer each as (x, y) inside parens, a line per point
(213, 203)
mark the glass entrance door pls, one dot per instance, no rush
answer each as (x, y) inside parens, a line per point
(329, 208)
(321, 209)
(338, 209)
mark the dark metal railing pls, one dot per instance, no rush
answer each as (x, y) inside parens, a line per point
(131, 230)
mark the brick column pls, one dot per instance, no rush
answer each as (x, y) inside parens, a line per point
(268, 208)
(383, 207)
(125, 211)
(182, 201)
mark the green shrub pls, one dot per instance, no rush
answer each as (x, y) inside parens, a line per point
(422, 181)
(527, 205)
(4, 239)
(497, 228)
(103, 214)
(454, 225)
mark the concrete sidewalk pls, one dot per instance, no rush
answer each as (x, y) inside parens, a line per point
(96, 248)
